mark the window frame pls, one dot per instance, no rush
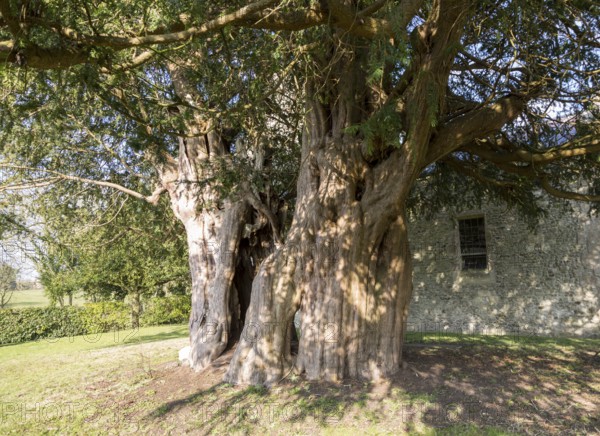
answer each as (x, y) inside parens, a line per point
(477, 228)
(473, 272)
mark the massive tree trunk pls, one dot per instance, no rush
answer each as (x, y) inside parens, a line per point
(213, 241)
(346, 264)
(215, 226)
(346, 261)
(225, 244)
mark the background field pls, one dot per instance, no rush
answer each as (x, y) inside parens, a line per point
(34, 298)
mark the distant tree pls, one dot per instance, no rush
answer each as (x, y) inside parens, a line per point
(8, 283)
(107, 252)
(134, 257)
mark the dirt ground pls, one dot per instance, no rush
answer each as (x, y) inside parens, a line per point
(443, 389)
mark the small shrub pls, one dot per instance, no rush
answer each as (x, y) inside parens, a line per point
(174, 309)
(105, 316)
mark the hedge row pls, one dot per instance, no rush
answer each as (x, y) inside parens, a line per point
(30, 324)
(21, 325)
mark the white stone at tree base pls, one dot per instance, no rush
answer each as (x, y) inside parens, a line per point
(184, 355)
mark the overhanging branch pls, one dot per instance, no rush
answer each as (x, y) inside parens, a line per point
(32, 185)
(470, 172)
(527, 171)
(169, 38)
(569, 195)
(152, 199)
(567, 150)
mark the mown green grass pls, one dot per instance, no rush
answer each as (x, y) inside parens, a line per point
(107, 384)
(72, 346)
(517, 345)
(512, 341)
(28, 298)
(46, 384)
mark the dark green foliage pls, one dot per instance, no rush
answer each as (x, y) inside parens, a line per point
(167, 310)
(32, 324)
(112, 248)
(105, 316)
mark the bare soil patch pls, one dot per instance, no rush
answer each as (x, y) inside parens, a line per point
(455, 389)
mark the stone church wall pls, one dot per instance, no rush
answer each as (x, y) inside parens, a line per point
(545, 282)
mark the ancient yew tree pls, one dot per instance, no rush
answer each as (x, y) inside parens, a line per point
(500, 94)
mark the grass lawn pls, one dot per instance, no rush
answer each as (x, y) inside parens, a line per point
(130, 383)
(34, 298)
(50, 385)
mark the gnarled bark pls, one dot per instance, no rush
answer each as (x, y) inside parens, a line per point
(346, 265)
(213, 240)
(215, 227)
(222, 259)
(346, 261)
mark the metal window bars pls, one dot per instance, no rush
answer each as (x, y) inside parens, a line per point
(472, 243)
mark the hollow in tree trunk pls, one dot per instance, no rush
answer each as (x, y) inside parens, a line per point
(215, 227)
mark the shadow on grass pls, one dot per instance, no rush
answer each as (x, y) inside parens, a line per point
(490, 386)
(227, 408)
(134, 338)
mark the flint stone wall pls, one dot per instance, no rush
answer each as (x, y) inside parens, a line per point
(542, 282)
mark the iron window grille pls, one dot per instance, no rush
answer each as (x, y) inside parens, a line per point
(472, 243)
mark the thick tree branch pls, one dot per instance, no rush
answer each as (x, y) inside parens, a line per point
(79, 53)
(529, 172)
(476, 124)
(122, 42)
(152, 199)
(569, 195)
(565, 151)
(42, 58)
(364, 26)
(293, 21)
(372, 8)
